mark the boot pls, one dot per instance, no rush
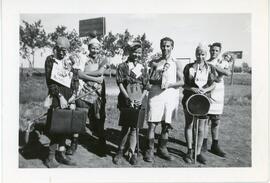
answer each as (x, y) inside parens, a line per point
(50, 161)
(73, 146)
(162, 150)
(102, 149)
(188, 156)
(201, 159)
(62, 158)
(215, 149)
(118, 157)
(204, 145)
(133, 159)
(149, 154)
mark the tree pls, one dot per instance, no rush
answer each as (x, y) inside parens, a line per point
(32, 37)
(245, 67)
(109, 43)
(112, 42)
(146, 46)
(73, 37)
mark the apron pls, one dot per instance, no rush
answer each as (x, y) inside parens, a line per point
(217, 94)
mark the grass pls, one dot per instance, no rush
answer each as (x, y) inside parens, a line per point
(235, 133)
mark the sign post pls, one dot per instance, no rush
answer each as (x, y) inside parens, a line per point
(232, 72)
(235, 55)
(92, 26)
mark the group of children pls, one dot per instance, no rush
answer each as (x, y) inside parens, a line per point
(160, 79)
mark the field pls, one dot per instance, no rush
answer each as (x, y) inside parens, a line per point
(235, 133)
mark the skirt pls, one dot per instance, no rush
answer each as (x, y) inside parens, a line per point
(217, 99)
(162, 104)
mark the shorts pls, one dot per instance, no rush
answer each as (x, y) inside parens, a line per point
(214, 116)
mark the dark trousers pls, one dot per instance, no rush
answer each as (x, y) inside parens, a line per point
(96, 115)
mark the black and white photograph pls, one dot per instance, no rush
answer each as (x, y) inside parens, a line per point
(115, 93)
(94, 93)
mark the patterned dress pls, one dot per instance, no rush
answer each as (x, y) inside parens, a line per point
(96, 99)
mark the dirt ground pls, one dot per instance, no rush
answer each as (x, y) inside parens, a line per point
(235, 133)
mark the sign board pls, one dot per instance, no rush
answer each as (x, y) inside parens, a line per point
(88, 26)
(61, 73)
(238, 54)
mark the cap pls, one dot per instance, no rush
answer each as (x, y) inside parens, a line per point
(62, 42)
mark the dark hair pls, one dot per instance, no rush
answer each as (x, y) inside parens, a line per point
(167, 39)
(215, 44)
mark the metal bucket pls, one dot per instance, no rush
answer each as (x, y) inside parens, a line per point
(198, 105)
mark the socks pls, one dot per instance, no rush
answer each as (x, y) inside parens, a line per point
(62, 148)
(215, 142)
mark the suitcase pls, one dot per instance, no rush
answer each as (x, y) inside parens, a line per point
(66, 122)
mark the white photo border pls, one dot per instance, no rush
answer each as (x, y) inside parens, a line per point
(11, 10)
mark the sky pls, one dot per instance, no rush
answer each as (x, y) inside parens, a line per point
(187, 30)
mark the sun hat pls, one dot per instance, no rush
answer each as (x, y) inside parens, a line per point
(134, 45)
(201, 47)
(62, 42)
(94, 41)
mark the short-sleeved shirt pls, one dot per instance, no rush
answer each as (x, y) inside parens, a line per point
(221, 63)
(127, 74)
(191, 75)
(95, 89)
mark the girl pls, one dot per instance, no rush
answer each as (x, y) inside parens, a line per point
(199, 78)
(132, 78)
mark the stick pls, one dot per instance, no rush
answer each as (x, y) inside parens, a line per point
(137, 134)
(138, 143)
(31, 122)
(196, 138)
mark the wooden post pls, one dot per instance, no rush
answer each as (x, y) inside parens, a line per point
(196, 121)
(232, 72)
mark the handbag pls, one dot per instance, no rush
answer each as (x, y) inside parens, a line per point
(65, 122)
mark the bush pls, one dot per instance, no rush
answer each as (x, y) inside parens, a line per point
(242, 100)
(237, 69)
(239, 79)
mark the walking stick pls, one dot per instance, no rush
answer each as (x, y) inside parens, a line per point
(31, 123)
(138, 133)
(138, 142)
(196, 121)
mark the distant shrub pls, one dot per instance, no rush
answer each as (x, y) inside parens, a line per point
(239, 79)
(32, 89)
(242, 100)
(237, 69)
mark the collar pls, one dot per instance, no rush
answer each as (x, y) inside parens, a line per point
(196, 65)
(57, 60)
(169, 59)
